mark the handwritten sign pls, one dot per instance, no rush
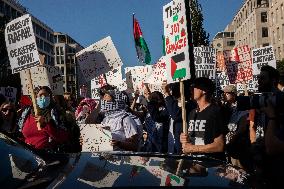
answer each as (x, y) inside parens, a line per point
(158, 74)
(96, 84)
(95, 138)
(9, 92)
(205, 62)
(21, 44)
(99, 58)
(136, 76)
(262, 56)
(244, 73)
(43, 75)
(176, 41)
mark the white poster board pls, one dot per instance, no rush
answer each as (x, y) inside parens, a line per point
(205, 62)
(158, 74)
(262, 56)
(10, 93)
(21, 44)
(136, 76)
(43, 75)
(176, 41)
(95, 138)
(99, 58)
(114, 77)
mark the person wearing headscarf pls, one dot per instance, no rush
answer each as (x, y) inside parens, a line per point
(124, 130)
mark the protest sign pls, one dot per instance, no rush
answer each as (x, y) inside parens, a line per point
(220, 62)
(114, 77)
(222, 80)
(136, 76)
(252, 86)
(9, 92)
(99, 58)
(95, 138)
(205, 62)
(158, 74)
(262, 56)
(231, 63)
(96, 84)
(176, 41)
(43, 75)
(21, 44)
(244, 73)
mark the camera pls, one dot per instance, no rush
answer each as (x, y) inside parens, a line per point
(259, 100)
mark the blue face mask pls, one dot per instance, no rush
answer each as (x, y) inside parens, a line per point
(43, 102)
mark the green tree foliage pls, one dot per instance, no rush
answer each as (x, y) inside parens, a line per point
(3, 50)
(200, 36)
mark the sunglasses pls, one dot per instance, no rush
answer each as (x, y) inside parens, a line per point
(7, 109)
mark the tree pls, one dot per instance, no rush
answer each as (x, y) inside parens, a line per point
(3, 50)
(200, 36)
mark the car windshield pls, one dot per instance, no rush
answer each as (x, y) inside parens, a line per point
(17, 163)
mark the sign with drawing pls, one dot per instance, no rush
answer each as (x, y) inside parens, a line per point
(95, 138)
(99, 58)
(21, 44)
(176, 41)
(43, 75)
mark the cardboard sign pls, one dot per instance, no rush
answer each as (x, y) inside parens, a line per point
(262, 56)
(95, 138)
(158, 74)
(99, 58)
(21, 44)
(43, 75)
(136, 76)
(10, 93)
(176, 41)
(244, 73)
(205, 62)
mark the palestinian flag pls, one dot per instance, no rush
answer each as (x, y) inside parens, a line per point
(143, 53)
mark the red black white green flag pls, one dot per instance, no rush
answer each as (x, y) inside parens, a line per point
(143, 53)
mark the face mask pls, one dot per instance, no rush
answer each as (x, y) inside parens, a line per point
(43, 102)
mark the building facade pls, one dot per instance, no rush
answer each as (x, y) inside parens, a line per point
(276, 27)
(65, 49)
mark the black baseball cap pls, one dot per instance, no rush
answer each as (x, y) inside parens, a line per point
(204, 84)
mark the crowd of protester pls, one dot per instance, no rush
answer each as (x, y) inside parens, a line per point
(244, 130)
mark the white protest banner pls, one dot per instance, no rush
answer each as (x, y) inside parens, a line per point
(96, 84)
(99, 58)
(95, 138)
(176, 41)
(10, 93)
(21, 44)
(262, 56)
(244, 73)
(114, 77)
(136, 76)
(205, 62)
(43, 75)
(158, 74)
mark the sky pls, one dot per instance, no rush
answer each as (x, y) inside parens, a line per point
(88, 21)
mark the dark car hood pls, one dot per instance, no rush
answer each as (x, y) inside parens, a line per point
(117, 169)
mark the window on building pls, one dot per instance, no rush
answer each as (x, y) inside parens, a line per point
(263, 16)
(265, 44)
(264, 32)
(278, 34)
(2, 6)
(279, 52)
(230, 43)
(61, 51)
(273, 37)
(276, 15)
(62, 70)
(272, 18)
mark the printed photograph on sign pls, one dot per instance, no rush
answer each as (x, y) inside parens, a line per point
(46, 75)
(205, 62)
(262, 56)
(99, 58)
(231, 62)
(176, 41)
(21, 44)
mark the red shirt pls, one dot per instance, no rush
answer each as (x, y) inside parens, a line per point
(40, 139)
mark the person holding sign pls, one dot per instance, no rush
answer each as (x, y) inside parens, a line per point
(8, 117)
(41, 131)
(124, 130)
(205, 123)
